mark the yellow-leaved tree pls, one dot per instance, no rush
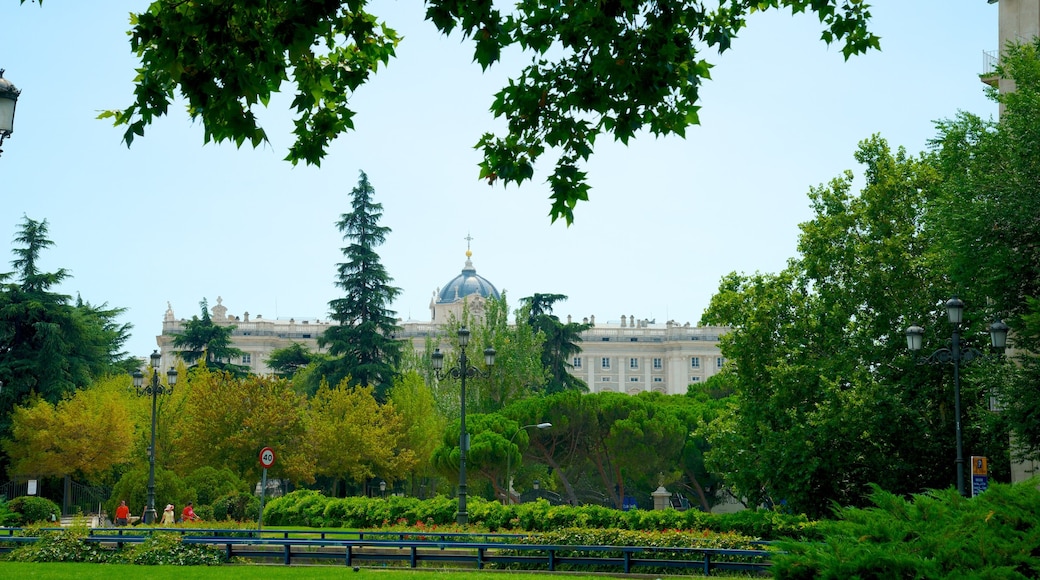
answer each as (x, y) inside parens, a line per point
(226, 421)
(85, 434)
(355, 437)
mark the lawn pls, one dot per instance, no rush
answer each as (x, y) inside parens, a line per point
(244, 572)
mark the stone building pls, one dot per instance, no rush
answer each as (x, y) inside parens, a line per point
(629, 355)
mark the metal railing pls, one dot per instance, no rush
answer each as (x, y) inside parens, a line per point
(452, 549)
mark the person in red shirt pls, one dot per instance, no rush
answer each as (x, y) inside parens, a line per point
(122, 514)
(188, 514)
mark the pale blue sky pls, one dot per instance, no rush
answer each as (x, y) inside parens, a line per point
(173, 220)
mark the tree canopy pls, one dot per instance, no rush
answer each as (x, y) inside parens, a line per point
(362, 347)
(50, 344)
(616, 68)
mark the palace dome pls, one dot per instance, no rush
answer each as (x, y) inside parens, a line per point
(466, 284)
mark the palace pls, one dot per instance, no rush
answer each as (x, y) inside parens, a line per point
(630, 355)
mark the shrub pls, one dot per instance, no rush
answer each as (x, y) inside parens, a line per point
(65, 546)
(133, 488)
(32, 509)
(938, 534)
(8, 517)
(239, 507)
(209, 483)
(168, 549)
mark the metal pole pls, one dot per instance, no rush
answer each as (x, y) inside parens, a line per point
(150, 510)
(463, 517)
(263, 490)
(955, 349)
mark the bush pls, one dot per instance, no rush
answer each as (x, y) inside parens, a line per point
(167, 549)
(938, 534)
(239, 507)
(8, 517)
(65, 546)
(209, 483)
(32, 509)
(71, 545)
(133, 488)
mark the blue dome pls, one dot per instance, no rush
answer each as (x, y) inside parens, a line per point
(466, 283)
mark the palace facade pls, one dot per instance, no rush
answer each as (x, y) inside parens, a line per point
(627, 355)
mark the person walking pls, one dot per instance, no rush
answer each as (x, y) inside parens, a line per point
(167, 515)
(122, 514)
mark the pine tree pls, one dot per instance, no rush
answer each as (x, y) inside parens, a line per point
(362, 346)
(50, 344)
(202, 339)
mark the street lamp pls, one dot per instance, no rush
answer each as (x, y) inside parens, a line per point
(8, 100)
(382, 488)
(153, 389)
(460, 372)
(509, 457)
(958, 353)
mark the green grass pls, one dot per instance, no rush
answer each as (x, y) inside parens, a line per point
(244, 572)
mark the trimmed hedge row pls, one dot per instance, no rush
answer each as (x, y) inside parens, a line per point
(311, 508)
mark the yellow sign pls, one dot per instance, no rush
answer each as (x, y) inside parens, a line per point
(979, 465)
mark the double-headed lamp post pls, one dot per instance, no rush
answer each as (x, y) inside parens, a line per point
(153, 389)
(8, 100)
(509, 457)
(957, 353)
(461, 372)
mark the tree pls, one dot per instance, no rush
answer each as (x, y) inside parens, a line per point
(612, 67)
(50, 345)
(517, 372)
(828, 399)
(86, 434)
(561, 342)
(202, 340)
(423, 424)
(362, 345)
(286, 362)
(354, 436)
(985, 218)
(228, 420)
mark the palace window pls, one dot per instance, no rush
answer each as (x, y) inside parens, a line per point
(605, 363)
(633, 363)
(657, 363)
(695, 362)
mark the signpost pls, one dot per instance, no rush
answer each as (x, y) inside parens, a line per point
(266, 460)
(979, 474)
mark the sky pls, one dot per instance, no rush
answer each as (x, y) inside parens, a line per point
(173, 220)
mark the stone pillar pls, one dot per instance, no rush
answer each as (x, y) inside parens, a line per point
(661, 498)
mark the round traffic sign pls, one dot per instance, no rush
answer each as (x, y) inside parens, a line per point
(267, 457)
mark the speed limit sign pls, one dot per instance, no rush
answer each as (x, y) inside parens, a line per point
(267, 457)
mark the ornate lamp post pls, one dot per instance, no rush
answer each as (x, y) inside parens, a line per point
(461, 372)
(8, 100)
(509, 457)
(958, 353)
(153, 389)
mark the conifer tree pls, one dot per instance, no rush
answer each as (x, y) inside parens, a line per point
(362, 347)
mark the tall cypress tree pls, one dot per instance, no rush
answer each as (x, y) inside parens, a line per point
(362, 346)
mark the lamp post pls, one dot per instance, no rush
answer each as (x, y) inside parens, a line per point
(382, 488)
(8, 100)
(509, 457)
(957, 354)
(153, 389)
(461, 372)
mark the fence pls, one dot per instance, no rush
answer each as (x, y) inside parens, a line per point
(492, 550)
